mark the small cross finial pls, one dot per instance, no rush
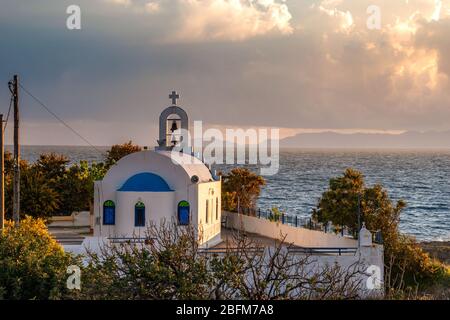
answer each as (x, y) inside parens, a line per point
(174, 96)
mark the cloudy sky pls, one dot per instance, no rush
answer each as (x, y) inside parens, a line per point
(301, 65)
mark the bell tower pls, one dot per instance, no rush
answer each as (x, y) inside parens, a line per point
(170, 120)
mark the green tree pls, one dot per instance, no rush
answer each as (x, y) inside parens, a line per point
(339, 204)
(50, 186)
(32, 264)
(37, 198)
(241, 185)
(119, 151)
(52, 166)
(405, 260)
(75, 188)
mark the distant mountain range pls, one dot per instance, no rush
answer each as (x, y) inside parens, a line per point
(409, 139)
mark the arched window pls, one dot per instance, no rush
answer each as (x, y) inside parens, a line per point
(109, 213)
(139, 214)
(207, 212)
(183, 213)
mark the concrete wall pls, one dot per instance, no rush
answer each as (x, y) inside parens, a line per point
(365, 260)
(298, 236)
(76, 219)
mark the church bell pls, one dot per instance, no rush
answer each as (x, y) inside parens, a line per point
(174, 126)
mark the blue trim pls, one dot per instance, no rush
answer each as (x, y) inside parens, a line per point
(183, 213)
(145, 182)
(109, 215)
(139, 216)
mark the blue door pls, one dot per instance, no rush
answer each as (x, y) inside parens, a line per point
(139, 214)
(183, 213)
(109, 213)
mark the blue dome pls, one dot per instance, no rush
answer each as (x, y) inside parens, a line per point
(145, 182)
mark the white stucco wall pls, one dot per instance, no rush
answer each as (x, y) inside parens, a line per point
(298, 236)
(158, 206)
(211, 227)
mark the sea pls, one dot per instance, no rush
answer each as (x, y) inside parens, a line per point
(420, 177)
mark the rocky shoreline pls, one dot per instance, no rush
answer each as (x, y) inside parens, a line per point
(438, 249)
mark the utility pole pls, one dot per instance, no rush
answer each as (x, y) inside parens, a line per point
(359, 218)
(14, 88)
(2, 177)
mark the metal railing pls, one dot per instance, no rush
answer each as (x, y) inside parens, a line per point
(291, 220)
(324, 250)
(145, 240)
(299, 222)
(297, 250)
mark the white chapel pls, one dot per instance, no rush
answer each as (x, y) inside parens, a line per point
(152, 185)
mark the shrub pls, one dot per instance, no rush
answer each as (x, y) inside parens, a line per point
(118, 151)
(171, 265)
(243, 186)
(408, 267)
(32, 264)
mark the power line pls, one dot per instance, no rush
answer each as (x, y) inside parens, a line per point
(59, 119)
(9, 111)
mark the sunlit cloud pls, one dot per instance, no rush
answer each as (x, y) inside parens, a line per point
(120, 2)
(152, 7)
(232, 19)
(437, 11)
(307, 64)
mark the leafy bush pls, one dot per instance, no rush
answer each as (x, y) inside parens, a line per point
(240, 186)
(118, 151)
(32, 264)
(407, 265)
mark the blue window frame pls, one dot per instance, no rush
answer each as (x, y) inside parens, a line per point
(183, 213)
(109, 213)
(139, 214)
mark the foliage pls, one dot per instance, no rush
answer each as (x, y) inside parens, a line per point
(171, 265)
(50, 186)
(275, 214)
(407, 265)
(339, 204)
(243, 186)
(32, 264)
(37, 198)
(52, 165)
(119, 151)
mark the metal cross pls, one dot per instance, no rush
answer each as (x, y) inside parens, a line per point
(174, 96)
